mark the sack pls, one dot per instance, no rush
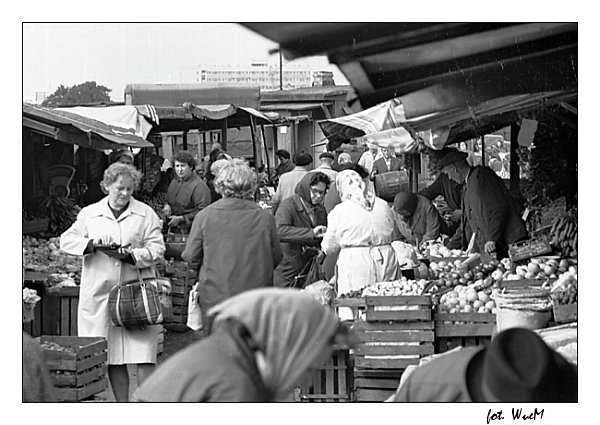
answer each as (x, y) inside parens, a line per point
(133, 305)
(194, 320)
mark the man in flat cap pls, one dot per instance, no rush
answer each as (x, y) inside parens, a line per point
(488, 209)
(288, 181)
(517, 367)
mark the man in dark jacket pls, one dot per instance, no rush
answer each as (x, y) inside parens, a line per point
(301, 222)
(386, 163)
(488, 210)
(516, 367)
(285, 163)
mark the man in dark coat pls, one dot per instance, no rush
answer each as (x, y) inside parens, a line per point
(285, 163)
(301, 222)
(516, 367)
(386, 163)
(488, 208)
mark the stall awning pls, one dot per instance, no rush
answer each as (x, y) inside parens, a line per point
(77, 129)
(436, 66)
(301, 106)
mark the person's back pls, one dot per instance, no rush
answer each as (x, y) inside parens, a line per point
(219, 368)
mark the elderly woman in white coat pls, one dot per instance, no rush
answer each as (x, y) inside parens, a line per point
(120, 219)
(361, 228)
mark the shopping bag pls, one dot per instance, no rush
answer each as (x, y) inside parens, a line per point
(315, 273)
(194, 320)
(133, 305)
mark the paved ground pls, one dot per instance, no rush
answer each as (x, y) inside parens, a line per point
(174, 341)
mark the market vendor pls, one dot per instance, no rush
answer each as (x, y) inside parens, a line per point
(417, 219)
(488, 209)
(187, 194)
(123, 156)
(516, 367)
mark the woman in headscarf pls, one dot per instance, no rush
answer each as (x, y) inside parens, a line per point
(261, 344)
(361, 228)
(417, 219)
(301, 222)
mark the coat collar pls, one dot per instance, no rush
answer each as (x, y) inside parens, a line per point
(233, 203)
(101, 208)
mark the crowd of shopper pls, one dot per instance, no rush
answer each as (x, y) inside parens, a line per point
(259, 341)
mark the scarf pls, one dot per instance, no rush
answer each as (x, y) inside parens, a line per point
(290, 328)
(351, 187)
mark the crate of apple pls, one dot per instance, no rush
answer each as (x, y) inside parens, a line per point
(451, 274)
(541, 269)
(467, 299)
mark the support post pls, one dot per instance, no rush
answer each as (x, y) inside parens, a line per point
(224, 134)
(184, 136)
(515, 172)
(262, 129)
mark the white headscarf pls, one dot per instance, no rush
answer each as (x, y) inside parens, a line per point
(290, 327)
(351, 187)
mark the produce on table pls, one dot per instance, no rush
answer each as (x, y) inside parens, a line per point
(539, 268)
(564, 290)
(156, 202)
(564, 234)
(437, 249)
(449, 274)
(45, 255)
(402, 286)
(53, 346)
(468, 299)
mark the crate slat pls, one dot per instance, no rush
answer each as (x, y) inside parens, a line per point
(391, 384)
(349, 302)
(565, 313)
(424, 300)
(395, 336)
(375, 363)
(466, 330)
(390, 350)
(397, 326)
(397, 315)
(466, 317)
(78, 394)
(78, 379)
(366, 395)
(378, 373)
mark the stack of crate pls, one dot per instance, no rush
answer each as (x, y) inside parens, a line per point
(77, 365)
(397, 332)
(331, 383)
(182, 279)
(463, 330)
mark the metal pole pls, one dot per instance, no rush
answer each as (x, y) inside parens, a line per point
(262, 129)
(515, 172)
(280, 70)
(483, 151)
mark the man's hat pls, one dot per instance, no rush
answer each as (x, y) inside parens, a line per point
(302, 159)
(327, 155)
(519, 367)
(451, 157)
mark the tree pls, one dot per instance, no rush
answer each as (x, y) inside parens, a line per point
(88, 92)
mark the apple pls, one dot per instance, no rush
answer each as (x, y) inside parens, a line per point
(490, 305)
(564, 264)
(483, 297)
(472, 296)
(529, 275)
(533, 268)
(467, 309)
(497, 275)
(477, 304)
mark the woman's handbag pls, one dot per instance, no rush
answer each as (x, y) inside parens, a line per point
(135, 304)
(175, 244)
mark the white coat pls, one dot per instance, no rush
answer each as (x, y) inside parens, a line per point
(363, 239)
(138, 226)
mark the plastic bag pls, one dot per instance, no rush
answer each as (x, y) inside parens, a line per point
(315, 273)
(194, 320)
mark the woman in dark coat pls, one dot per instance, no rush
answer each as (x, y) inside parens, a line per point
(233, 243)
(301, 221)
(262, 344)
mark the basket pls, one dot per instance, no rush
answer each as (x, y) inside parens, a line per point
(175, 245)
(533, 247)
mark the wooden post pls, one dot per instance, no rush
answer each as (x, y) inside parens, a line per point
(483, 151)
(204, 153)
(255, 146)
(415, 173)
(262, 129)
(184, 136)
(515, 171)
(224, 134)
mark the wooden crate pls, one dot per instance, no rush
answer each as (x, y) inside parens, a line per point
(332, 383)
(357, 305)
(463, 329)
(564, 313)
(398, 308)
(35, 226)
(79, 373)
(375, 385)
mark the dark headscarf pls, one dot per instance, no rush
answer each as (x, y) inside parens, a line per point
(406, 201)
(303, 188)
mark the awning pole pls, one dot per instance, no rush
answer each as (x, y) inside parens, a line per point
(515, 172)
(483, 151)
(262, 129)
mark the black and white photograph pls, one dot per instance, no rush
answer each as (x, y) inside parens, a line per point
(306, 213)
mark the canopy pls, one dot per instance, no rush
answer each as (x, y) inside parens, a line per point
(123, 119)
(436, 66)
(71, 127)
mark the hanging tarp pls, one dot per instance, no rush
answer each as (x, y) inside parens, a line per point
(123, 119)
(77, 129)
(385, 116)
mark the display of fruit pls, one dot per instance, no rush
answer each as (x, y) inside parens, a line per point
(400, 287)
(539, 268)
(45, 255)
(61, 211)
(437, 249)
(449, 274)
(564, 234)
(468, 299)
(564, 290)
(53, 346)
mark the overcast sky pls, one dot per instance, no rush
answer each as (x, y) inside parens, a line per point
(115, 54)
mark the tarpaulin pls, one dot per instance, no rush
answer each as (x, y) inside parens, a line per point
(123, 119)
